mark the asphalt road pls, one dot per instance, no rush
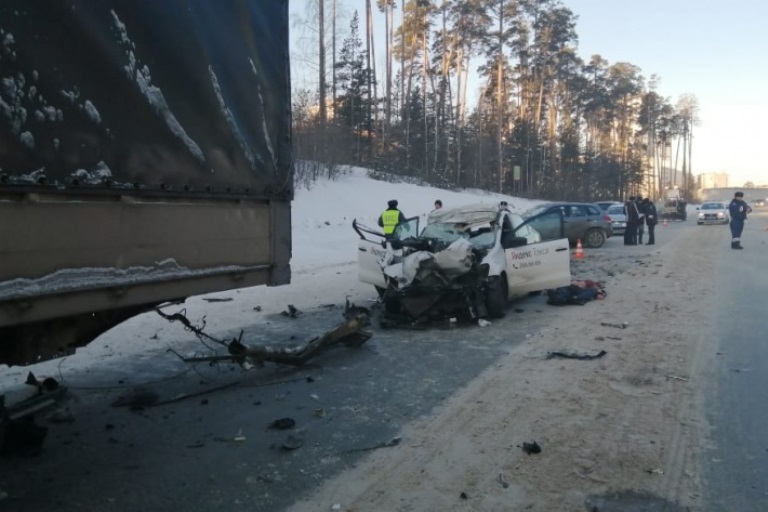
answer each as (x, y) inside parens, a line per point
(736, 466)
(216, 451)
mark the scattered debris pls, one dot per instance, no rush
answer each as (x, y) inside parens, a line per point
(351, 311)
(291, 312)
(656, 471)
(677, 378)
(482, 322)
(179, 398)
(292, 443)
(613, 338)
(282, 424)
(239, 438)
(531, 448)
(257, 308)
(349, 333)
(385, 444)
(464, 495)
(47, 385)
(137, 399)
(214, 299)
(622, 325)
(571, 355)
(336, 506)
(502, 480)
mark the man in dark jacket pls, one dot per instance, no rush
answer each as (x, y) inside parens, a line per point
(738, 210)
(391, 218)
(640, 219)
(630, 210)
(651, 219)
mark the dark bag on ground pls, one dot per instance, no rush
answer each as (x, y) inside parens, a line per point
(571, 295)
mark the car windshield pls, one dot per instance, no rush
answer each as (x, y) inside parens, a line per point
(712, 206)
(616, 210)
(480, 236)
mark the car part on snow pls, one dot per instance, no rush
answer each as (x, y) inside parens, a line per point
(572, 355)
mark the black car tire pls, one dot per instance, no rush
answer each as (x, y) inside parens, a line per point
(496, 296)
(594, 238)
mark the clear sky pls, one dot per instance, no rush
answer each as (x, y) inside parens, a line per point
(717, 51)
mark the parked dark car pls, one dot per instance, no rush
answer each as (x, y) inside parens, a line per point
(583, 221)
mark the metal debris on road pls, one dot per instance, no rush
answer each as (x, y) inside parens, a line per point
(622, 325)
(531, 448)
(571, 355)
(282, 424)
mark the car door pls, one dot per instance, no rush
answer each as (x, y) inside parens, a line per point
(577, 221)
(541, 265)
(371, 250)
(369, 253)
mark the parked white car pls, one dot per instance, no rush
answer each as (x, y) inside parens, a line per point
(618, 218)
(713, 212)
(467, 260)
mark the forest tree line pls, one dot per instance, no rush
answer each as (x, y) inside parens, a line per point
(540, 121)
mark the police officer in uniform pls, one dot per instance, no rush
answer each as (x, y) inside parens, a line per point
(391, 218)
(738, 209)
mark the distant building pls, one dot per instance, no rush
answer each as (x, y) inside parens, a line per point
(713, 180)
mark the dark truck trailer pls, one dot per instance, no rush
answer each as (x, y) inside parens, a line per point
(145, 157)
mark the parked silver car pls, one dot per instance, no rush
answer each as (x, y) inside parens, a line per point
(618, 218)
(713, 212)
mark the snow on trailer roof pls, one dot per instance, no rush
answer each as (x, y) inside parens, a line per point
(482, 213)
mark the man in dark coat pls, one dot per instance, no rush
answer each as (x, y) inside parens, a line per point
(738, 210)
(630, 210)
(640, 219)
(651, 219)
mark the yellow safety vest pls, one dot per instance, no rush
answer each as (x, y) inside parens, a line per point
(389, 218)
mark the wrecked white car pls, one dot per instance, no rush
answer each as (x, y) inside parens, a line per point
(466, 262)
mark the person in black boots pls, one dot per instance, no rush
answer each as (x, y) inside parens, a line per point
(630, 233)
(651, 218)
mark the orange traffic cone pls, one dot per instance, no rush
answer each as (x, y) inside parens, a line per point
(579, 251)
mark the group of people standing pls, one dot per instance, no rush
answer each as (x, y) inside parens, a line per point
(640, 212)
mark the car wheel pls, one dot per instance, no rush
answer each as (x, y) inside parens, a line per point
(496, 296)
(594, 238)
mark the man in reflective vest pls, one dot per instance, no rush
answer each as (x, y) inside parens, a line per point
(391, 218)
